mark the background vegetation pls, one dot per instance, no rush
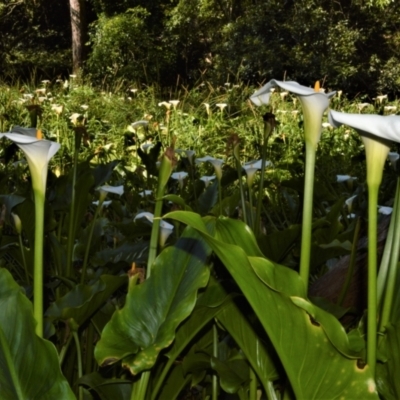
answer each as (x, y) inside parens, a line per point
(353, 45)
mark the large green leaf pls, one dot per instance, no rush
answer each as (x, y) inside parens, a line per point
(175, 383)
(155, 308)
(233, 372)
(84, 300)
(107, 389)
(388, 372)
(258, 355)
(208, 198)
(277, 245)
(209, 304)
(29, 367)
(128, 252)
(83, 186)
(315, 367)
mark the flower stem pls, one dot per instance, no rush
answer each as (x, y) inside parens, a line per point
(140, 387)
(155, 232)
(220, 196)
(372, 278)
(251, 214)
(384, 265)
(394, 257)
(38, 262)
(352, 263)
(164, 174)
(269, 125)
(307, 214)
(79, 361)
(21, 246)
(71, 230)
(215, 354)
(89, 242)
(239, 171)
(252, 385)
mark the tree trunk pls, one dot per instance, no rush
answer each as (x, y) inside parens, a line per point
(79, 32)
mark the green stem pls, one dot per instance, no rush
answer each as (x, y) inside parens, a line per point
(384, 266)
(38, 262)
(64, 350)
(352, 263)
(372, 278)
(220, 196)
(260, 195)
(307, 214)
(71, 229)
(251, 215)
(193, 184)
(239, 171)
(164, 174)
(215, 355)
(21, 246)
(89, 349)
(13, 375)
(140, 387)
(268, 128)
(270, 392)
(88, 244)
(393, 267)
(79, 361)
(253, 385)
(155, 232)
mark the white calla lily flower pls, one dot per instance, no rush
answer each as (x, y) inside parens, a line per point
(252, 167)
(145, 193)
(119, 190)
(383, 126)
(385, 210)
(221, 106)
(180, 177)
(377, 132)
(349, 202)
(174, 103)
(216, 163)
(345, 178)
(104, 190)
(207, 179)
(103, 204)
(189, 154)
(138, 124)
(165, 104)
(314, 104)
(380, 98)
(38, 153)
(165, 228)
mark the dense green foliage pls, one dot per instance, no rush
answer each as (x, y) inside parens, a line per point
(351, 45)
(197, 325)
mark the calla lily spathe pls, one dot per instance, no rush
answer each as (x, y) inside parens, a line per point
(314, 104)
(104, 190)
(377, 132)
(383, 126)
(38, 153)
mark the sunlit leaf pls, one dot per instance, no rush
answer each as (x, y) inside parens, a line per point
(305, 350)
(84, 300)
(155, 308)
(29, 366)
